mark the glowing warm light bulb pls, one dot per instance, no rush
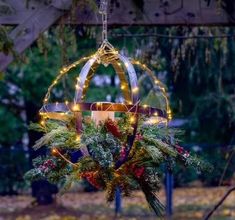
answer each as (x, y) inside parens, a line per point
(76, 108)
(66, 102)
(42, 122)
(156, 81)
(54, 152)
(135, 90)
(123, 87)
(155, 114)
(78, 138)
(77, 86)
(132, 119)
(145, 106)
(154, 121)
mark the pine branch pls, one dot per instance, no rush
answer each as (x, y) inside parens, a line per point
(163, 147)
(152, 199)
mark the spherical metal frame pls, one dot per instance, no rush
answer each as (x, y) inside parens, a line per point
(105, 55)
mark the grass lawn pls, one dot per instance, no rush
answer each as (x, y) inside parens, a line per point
(189, 204)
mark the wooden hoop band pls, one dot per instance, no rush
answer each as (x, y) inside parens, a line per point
(115, 107)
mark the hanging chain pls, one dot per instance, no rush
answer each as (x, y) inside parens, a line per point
(106, 52)
(103, 10)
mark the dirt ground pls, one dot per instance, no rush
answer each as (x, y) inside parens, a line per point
(189, 204)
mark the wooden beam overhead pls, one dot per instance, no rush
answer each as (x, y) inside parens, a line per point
(152, 12)
(37, 22)
(36, 17)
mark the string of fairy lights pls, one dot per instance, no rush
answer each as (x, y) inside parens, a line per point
(105, 55)
(99, 55)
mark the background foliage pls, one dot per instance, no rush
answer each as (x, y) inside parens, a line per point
(199, 74)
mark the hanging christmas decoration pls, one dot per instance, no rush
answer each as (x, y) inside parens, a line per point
(108, 151)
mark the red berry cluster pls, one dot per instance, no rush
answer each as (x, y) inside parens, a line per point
(123, 152)
(91, 178)
(112, 127)
(138, 171)
(139, 137)
(47, 165)
(182, 151)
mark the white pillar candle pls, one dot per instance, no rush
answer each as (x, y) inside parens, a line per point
(100, 116)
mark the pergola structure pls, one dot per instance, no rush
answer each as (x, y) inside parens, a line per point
(31, 20)
(37, 16)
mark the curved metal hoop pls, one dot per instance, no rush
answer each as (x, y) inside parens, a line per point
(118, 70)
(157, 83)
(84, 77)
(130, 92)
(64, 71)
(61, 108)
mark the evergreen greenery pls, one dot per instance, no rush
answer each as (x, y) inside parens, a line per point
(106, 144)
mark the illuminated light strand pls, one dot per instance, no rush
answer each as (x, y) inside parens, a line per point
(135, 89)
(101, 54)
(62, 72)
(123, 80)
(42, 122)
(158, 83)
(123, 87)
(105, 60)
(78, 138)
(99, 104)
(132, 119)
(55, 151)
(76, 108)
(126, 64)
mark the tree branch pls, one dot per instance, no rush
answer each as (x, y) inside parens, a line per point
(219, 203)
